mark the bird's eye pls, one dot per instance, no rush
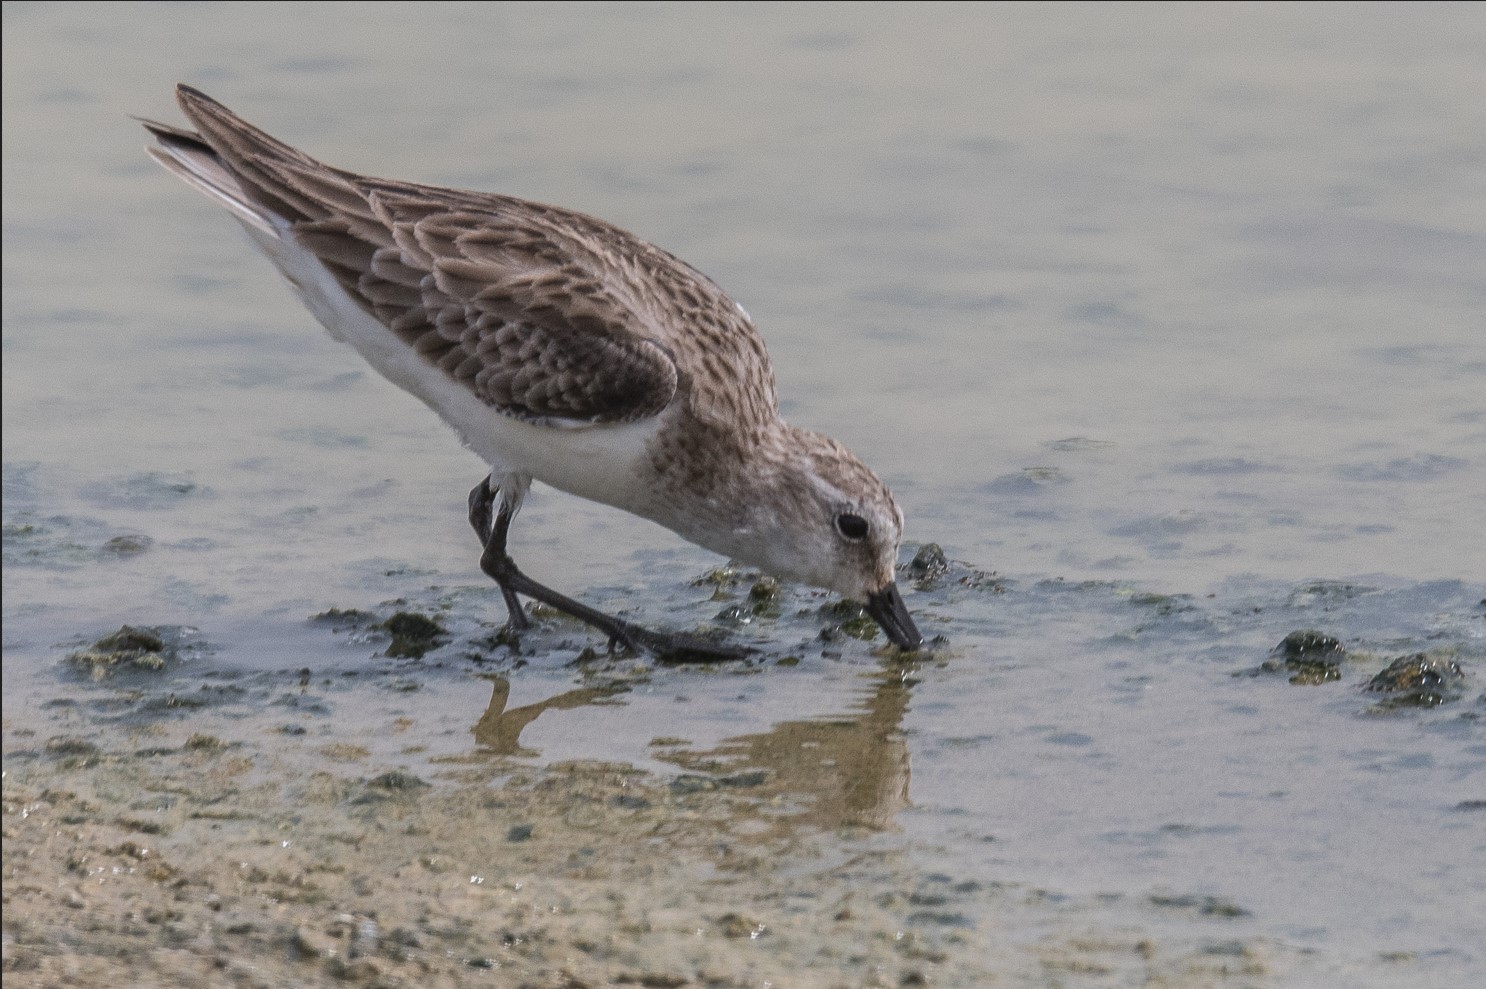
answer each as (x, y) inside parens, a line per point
(851, 526)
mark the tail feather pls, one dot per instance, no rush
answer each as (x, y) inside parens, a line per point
(257, 162)
(239, 165)
(233, 136)
(185, 155)
(312, 220)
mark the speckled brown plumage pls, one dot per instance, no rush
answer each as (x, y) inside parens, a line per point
(545, 313)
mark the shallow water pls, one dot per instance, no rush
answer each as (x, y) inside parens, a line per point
(1168, 322)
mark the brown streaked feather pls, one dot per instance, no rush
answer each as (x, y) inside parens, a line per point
(543, 312)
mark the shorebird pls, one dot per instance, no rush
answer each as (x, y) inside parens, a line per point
(560, 349)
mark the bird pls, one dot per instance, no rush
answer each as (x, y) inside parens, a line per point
(560, 349)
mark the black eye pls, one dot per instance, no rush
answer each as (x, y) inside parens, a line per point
(851, 526)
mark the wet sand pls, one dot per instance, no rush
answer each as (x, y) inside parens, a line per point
(220, 850)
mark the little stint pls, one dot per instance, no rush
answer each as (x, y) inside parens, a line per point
(564, 350)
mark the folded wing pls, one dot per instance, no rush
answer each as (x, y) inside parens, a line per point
(502, 295)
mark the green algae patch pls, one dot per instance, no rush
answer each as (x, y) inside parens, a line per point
(1309, 656)
(344, 618)
(929, 563)
(200, 742)
(1163, 604)
(763, 600)
(397, 781)
(1206, 906)
(764, 594)
(1422, 680)
(127, 545)
(848, 618)
(130, 648)
(1310, 645)
(730, 581)
(930, 568)
(413, 634)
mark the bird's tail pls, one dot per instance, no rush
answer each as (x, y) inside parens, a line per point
(184, 154)
(262, 180)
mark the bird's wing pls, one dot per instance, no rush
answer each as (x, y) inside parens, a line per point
(531, 307)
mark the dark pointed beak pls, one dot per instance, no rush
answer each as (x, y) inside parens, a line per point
(892, 614)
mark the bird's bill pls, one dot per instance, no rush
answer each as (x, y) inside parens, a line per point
(887, 607)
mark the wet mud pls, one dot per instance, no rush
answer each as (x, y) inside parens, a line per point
(171, 821)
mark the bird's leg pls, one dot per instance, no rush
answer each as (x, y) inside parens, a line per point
(482, 498)
(499, 566)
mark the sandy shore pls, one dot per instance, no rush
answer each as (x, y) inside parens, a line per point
(226, 848)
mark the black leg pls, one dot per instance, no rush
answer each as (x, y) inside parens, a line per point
(482, 497)
(499, 566)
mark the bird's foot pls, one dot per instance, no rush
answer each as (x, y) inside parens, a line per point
(517, 620)
(679, 648)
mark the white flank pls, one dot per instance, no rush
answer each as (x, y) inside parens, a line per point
(601, 462)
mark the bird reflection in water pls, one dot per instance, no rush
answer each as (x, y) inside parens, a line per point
(849, 770)
(500, 730)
